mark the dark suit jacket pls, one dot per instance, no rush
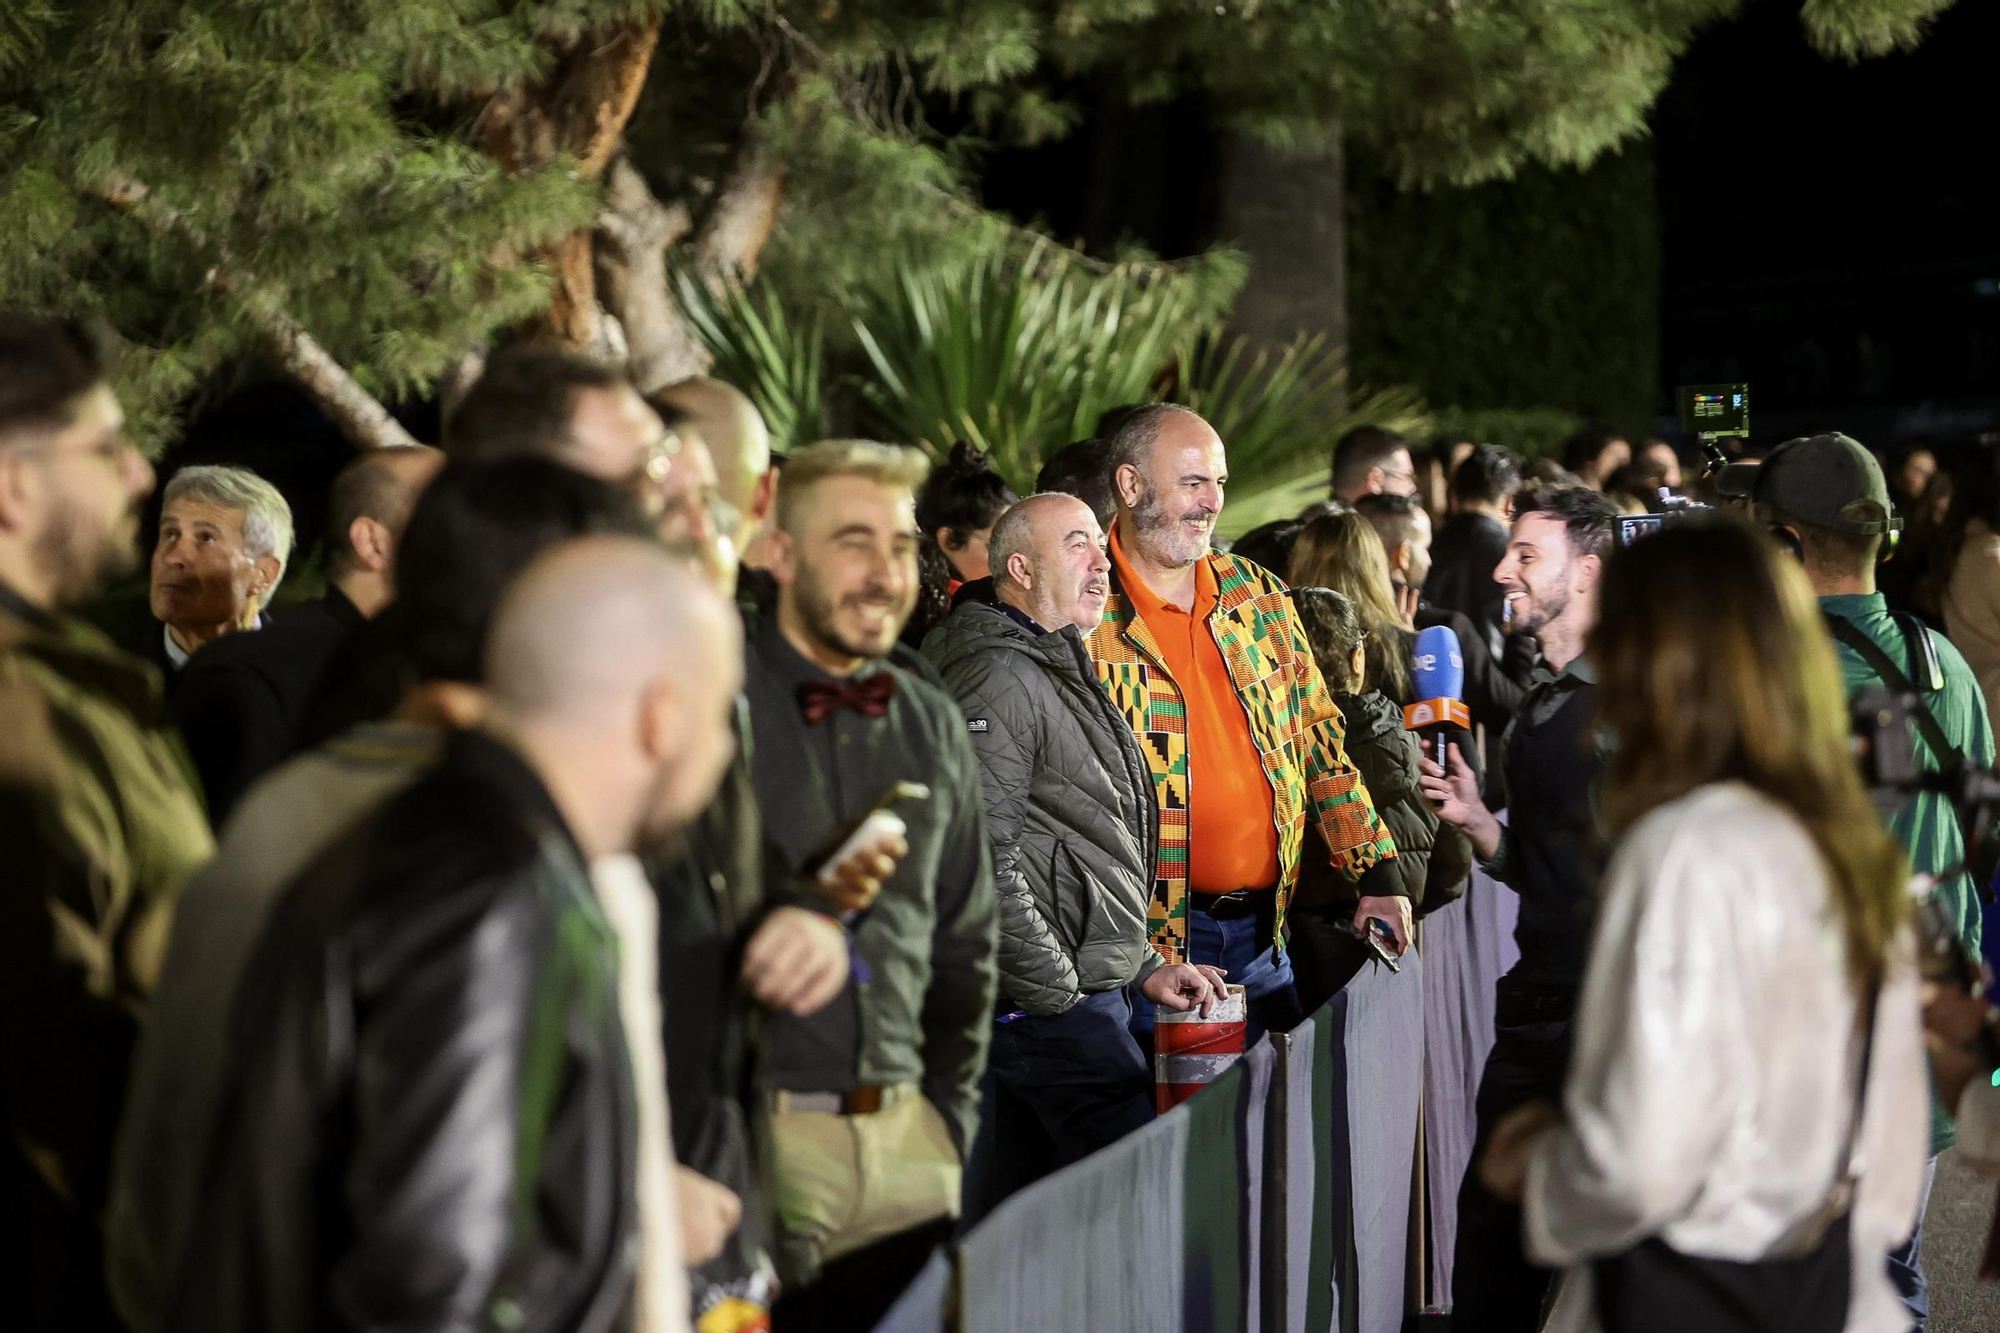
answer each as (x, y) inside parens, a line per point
(242, 699)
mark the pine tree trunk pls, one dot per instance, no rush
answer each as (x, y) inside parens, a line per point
(1288, 212)
(636, 233)
(582, 112)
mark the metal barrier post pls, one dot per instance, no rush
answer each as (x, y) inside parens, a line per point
(1276, 1306)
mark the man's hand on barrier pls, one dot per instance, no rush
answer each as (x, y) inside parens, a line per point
(1391, 912)
(1504, 1168)
(709, 1215)
(1455, 795)
(1182, 986)
(797, 961)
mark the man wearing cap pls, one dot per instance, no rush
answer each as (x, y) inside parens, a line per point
(1826, 498)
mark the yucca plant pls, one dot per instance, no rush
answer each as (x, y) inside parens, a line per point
(780, 362)
(1018, 355)
(1279, 414)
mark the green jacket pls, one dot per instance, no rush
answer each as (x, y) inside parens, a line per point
(1927, 827)
(100, 824)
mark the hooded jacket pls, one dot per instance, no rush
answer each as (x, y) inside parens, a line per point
(1069, 803)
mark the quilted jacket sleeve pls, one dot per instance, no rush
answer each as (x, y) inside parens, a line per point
(1338, 798)
(1036, 972)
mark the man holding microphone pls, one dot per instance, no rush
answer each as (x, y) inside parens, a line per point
(1550, 853)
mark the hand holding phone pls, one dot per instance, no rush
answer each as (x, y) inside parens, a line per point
(852, 875)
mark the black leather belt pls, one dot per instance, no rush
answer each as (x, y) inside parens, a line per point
(1228, 906)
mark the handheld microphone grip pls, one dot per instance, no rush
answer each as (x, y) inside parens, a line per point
(1439, 675)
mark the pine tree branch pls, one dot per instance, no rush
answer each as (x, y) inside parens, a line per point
(360, 416)
(741, 212)
(633, 236)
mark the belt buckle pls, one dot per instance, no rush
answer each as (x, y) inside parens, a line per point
(861, 1101)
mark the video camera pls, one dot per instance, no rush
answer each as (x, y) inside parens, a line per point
(1710, 414)
(1886, 752)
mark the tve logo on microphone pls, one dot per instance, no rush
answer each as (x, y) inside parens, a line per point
(1428, 662)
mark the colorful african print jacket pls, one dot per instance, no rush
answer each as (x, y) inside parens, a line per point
(1297, 728)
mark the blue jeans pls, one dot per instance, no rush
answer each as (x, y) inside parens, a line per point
(1906, 1265)
(1242, 948)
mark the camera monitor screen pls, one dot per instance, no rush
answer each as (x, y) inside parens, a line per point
(1711, 411)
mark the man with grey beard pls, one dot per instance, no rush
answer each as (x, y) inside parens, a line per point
(1204, 655)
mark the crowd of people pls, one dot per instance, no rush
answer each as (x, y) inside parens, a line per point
(657, 885)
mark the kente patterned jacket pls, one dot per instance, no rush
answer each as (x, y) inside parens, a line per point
(1293, 719)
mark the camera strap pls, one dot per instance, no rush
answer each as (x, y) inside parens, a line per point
(1924, 653)
(1883, 665)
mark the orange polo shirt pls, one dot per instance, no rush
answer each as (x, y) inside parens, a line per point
(1232, 836)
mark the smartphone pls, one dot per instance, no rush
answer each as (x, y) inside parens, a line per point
(880, 819)
(1379, 940)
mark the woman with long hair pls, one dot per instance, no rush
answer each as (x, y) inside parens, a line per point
(1343, 552)
(1752, 972)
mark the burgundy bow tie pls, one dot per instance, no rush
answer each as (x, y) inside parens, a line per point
(821, 699)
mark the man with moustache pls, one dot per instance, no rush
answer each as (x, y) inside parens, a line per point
(97, 817)
(1204, 656)
(873, 1098)
(1069, 815)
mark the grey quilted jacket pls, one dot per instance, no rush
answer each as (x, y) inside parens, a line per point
(1069, 805)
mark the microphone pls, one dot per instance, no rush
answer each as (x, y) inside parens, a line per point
(1440, 680)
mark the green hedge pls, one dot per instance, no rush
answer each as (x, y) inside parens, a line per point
(1528, 431)
(1541, 292)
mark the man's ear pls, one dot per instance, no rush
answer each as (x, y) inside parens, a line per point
(1590, 568)
(766, 495)
(784, 557)
(1020, 570)
(17, 499)
(269, 570)
(1129, 485)
(372, 544)
(662, 709)
(1399, 559)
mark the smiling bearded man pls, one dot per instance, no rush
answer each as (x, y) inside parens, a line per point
(1205, 657)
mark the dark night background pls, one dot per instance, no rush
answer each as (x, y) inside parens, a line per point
(1825, 232)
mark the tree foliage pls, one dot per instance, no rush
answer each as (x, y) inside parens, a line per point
(393, 183)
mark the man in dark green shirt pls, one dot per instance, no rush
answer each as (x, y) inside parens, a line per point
(1826, 495)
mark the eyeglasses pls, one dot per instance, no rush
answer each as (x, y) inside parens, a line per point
(650, 477)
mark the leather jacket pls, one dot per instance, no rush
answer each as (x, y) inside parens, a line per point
(430, 1122)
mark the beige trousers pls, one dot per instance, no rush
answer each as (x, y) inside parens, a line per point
(843, 1182)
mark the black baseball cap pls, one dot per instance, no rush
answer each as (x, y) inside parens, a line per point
(1831, 481)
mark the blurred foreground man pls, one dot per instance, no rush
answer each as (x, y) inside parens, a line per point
(438, 1116)
(97, 819)
(1069, 815)
(873, 1099)
(1826, 497)
(1204, 656)
(225, 540)
(1552, 852)
(474, 531)
(242, 699)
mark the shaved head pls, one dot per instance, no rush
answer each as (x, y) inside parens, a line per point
(730, 425)
(616, 668)
(591, 622)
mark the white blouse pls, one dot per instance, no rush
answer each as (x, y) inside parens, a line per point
(1712, 1083)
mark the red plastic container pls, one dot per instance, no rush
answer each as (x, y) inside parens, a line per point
(1190, 1052)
